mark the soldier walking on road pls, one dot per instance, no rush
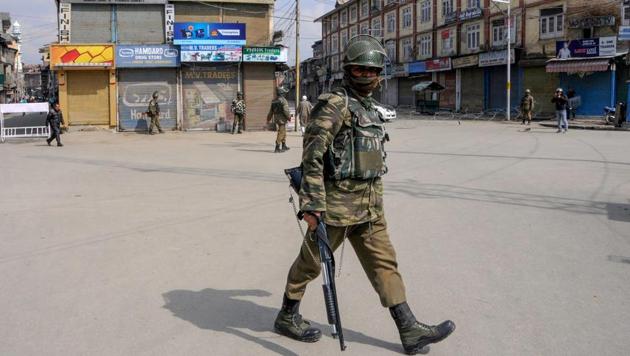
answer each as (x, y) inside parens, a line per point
(304, 112)
(154, 113)
(279, 113)
(527, 106)
(238, 108)
(343, 162)
(54, 120)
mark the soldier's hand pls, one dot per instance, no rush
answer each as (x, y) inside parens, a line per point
(312, 219)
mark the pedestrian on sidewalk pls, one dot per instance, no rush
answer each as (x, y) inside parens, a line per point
(343, 162)
(561, 101)
(279, 114)
(304, 112)
(154, 113)
(238, 108)
(54, 121)
(527, 106)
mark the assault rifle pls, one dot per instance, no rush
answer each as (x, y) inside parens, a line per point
(327, 260)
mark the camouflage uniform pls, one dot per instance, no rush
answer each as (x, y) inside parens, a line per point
(154, 114)
(279, 113)
(238, 108)
(527, 105)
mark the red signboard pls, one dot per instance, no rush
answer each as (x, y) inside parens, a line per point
(437, 65)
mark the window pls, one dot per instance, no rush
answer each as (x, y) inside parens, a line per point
(407, 49)
(625, 15)
(425, 44)
(551, 23)
(447, 7)
(376, 28)
(353, 31)
(334, 40)
(391, 22)
(376, 4)
(344, 39)
(390, 48)
(389, 2)
(447, 42)
(425, 11)
(473, 4)
(406, 17)
(499, 35)
(334, 24)
(353, 14)
(334, 63)
(343, 18)
(365, 8)
(364, 28)
(472, 36)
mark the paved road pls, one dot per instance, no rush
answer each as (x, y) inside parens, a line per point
(178, 244)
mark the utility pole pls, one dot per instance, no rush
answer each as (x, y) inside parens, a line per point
(508, 57)
(297, 62)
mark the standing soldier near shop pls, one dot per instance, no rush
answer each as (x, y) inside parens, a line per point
(154, 113)
(238, 108)
(527, 106)
(304, 112)
(279, 113)
(54, 121)
(343, 162)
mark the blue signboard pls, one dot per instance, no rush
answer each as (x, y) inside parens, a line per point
(195, 33)
(135, 56)
(417, 67)
(588, 47)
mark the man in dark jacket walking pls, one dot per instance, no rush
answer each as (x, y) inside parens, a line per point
(561, 102)
(54, 120)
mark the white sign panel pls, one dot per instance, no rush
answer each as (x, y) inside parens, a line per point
(607, 46)
(169, 22)
(64, 22)
(495, 58)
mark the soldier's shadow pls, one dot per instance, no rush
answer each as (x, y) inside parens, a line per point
(224, 311)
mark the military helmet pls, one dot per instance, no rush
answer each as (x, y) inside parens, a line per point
(281, 91)
(155, 94)
(364, 50)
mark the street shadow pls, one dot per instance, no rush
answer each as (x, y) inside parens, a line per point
(619, 259)
(618, 212)
(228, 311)
(259, 151)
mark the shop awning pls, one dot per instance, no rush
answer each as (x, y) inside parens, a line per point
(433, 86)
(578, 65)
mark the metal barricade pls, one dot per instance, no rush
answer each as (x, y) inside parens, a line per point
(23, 131)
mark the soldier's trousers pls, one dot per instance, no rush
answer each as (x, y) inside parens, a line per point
(238, 123)
(374, 250)
(282, 134)
(155, 121)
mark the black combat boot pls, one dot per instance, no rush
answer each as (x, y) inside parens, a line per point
(277, 150)
(415, 335)
(289, 323)
(285, 147)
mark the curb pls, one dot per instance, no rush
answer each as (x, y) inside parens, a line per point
(587, 127)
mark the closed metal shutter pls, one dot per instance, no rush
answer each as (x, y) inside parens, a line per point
(447, 96)
(140, 24)
(389, 91)
(88, 97)
(543, 85)
(194, 12)
(497, 90)
(208, 93)
(91, 23)
(406, 97)
(472, 89)
(259, 85)
(594, 88)
(135, 88)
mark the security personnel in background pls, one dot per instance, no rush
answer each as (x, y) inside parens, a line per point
(238, 108)
(279, 113)
(154, 113)
(527, 106)
(54, 120)
(303, 112)
(343, 162)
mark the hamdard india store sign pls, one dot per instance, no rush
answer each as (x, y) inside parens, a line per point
(132, 56)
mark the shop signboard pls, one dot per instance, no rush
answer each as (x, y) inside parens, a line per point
(438, 65)
(136, 56)
(65, 17)
(592, 21)
(624, 33)
(211, 53)
(265, 54)
(169, 22)
(131, 2)
(81, 55)
(208, 91)
(468, 61)
(495, 58)
(417, 67)
(400, 70)
(470, 13)
(204, 33)
(588, 47)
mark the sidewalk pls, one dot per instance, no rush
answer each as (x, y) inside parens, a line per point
(586, 124)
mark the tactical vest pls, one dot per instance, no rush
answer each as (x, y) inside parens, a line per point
(357, 152)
